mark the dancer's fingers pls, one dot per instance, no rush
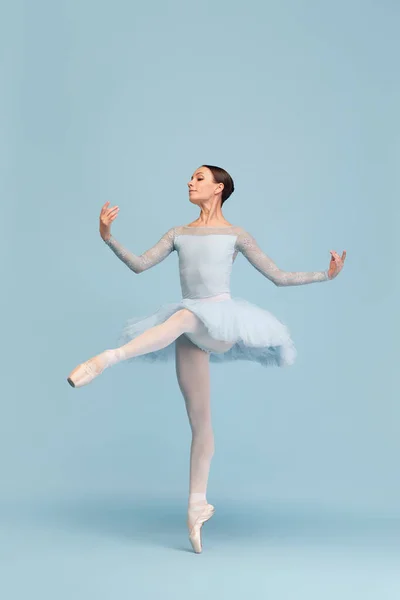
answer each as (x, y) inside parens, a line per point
(335, 254)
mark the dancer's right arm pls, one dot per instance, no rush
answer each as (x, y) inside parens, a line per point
(141, 263)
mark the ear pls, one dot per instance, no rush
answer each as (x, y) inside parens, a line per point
(219, 188)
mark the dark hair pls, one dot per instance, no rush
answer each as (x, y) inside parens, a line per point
(221, 176)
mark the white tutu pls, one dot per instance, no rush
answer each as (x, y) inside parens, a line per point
(258, 336)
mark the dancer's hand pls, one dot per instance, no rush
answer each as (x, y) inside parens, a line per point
(336, 264)
(107, 216)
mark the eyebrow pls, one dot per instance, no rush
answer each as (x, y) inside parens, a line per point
(199, 173)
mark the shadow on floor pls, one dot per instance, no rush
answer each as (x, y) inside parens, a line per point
(163, 522)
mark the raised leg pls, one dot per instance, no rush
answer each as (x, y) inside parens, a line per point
(153, 339)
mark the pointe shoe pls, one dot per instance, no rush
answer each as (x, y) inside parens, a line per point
(204, 514)
(87, 371)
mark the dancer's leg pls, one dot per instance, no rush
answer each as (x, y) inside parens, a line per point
(162, 335)
(153, 339)
(193, 373)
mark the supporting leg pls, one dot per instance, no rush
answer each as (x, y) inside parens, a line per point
(193, 373)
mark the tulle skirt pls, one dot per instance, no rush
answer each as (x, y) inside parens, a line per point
(256, 334)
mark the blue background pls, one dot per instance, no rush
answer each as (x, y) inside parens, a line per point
(123, 101)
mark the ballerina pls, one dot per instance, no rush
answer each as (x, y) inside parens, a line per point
(207, 324)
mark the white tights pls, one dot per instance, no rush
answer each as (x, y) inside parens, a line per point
(193, 373)
(192, 369)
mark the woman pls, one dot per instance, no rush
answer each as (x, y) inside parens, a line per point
(207, 324)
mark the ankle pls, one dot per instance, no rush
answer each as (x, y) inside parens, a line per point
(197, 499)
(114, 356)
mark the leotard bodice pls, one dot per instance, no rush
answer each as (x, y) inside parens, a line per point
(206, 256)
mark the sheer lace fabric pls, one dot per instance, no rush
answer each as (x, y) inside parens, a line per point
(206, 255)
(244, 243)
(148, 259)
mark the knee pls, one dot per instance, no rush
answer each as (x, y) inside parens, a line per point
(203, 432)
(204, 445)
(186, 319)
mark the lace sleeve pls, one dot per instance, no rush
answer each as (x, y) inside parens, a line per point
(148, 259)
(248, 246)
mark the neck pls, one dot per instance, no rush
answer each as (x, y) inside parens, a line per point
(211, 214)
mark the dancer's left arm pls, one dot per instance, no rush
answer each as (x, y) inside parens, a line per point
(248, 246)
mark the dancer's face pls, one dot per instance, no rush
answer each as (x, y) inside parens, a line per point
(202, 186)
